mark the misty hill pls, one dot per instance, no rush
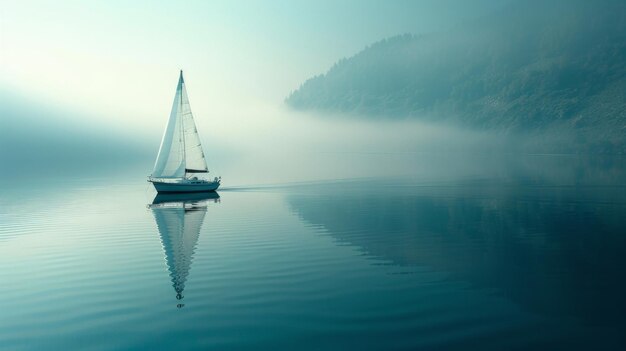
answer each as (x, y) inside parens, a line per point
(534, 65)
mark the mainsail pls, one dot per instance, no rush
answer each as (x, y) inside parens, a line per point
(181, 150)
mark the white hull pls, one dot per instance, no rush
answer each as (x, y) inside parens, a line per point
(184, 187)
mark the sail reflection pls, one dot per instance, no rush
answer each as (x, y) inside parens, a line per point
(179, 218)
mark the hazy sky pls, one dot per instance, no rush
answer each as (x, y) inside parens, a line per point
(119, 60)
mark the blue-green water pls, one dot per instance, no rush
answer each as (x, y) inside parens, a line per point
(491, 263)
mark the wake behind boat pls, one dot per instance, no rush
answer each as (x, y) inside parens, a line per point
(181, 156)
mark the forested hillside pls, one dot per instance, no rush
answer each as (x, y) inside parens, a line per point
(535, 65)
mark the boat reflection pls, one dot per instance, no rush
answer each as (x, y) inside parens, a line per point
(179, 218)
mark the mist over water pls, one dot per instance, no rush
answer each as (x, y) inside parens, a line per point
(287, 146)
(264, 145)
(272, 145)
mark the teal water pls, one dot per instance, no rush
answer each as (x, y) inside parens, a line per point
(500, 262)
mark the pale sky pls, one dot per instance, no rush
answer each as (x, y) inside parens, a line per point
(118, 61)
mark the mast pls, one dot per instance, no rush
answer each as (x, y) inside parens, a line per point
(182, 122)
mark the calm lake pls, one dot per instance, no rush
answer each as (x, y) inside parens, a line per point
(528, 255)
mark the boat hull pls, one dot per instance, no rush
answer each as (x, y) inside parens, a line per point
(170, 187)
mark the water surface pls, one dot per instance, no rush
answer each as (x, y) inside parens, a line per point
(506, 260)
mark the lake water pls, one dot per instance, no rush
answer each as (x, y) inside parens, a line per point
(492, 261)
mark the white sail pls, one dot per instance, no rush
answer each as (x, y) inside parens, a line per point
(170, 162)
(180, 149)
(194, 156)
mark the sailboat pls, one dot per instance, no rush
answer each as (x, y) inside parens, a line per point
(181, 156)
